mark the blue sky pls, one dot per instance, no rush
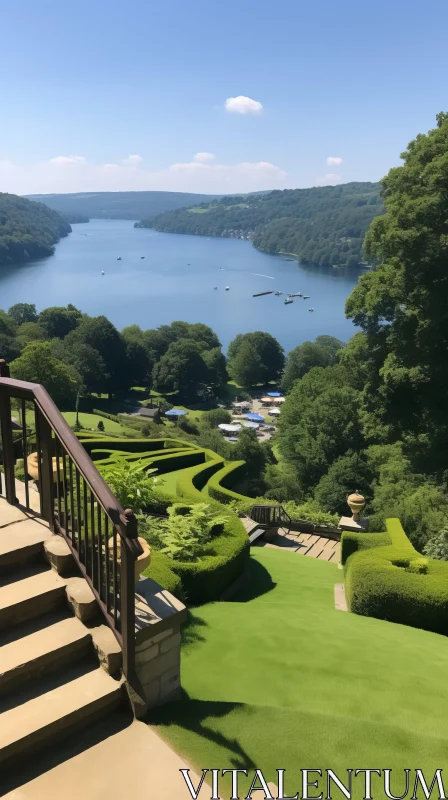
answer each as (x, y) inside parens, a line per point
(85, 85)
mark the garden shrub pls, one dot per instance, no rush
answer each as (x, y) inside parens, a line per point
(106, 415)
(218, 484)
(160, 571)
(393, 582)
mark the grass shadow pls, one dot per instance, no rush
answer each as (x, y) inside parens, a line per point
(192, 715)
(259, 583)
(191, 631)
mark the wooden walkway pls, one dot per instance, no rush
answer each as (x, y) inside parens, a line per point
(306, 544)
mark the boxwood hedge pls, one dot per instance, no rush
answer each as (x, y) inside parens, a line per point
(385, 577)
(218, 485)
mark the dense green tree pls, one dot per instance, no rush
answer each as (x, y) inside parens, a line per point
(138, 358)
(7, 325)
(85, 359)
(181, 369)
(38, 365)
(250, 450)
(29, 332)
(158, 340)
(215, 417)
(58, 321)
(101, 335)
(23, 312)
(347, 474)
(269, 352)
(401, 306)
(246, 367)
(9, 347)
(217, 366)
(321, 353)
(319, 422)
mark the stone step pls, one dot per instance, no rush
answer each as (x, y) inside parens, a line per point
(42, 651)
(31, 596)
(55, 714)
(22, 542)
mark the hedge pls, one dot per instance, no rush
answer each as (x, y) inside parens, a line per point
(191, 481)
(165, 462)
(160, 570)
(217, 487)
(128, 445)
(388, 579)
(106, 415)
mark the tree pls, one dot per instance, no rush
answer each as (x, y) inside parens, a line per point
(250, 450)
(7, 325)
(23, 312)
(9, 347)
(246, 367)
(85, 359)
(181, 369)
(138, 358)
(101, 335)
(29, 332)
(268, 350)
(215, 417)
(321, 353)
(319, 422)
(58, 321)
(347, 474)
(158, 341)
(217, 366)
(38, 365)
(401, 305)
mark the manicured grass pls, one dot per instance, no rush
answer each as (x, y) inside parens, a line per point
(168, 482)
(282, 680)
(91, 421)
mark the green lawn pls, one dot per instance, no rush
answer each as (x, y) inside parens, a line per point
(91, 421)
(282, 680)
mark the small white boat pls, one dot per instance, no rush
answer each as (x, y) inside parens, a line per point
(102, 272)
(215, 287)
(311, 309)
(287, 301)
(119, 258)
(142, 256)
(306, 297)
(227, 288)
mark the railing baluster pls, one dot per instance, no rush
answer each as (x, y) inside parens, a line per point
(72, 502)
(38, 451)
(8, 448)
(25, 454)
(86, 528)
(100, 554)
(115, 562)
(92, 533)
(106, 558)
(78, 511)
(65, 491)
(57, 452)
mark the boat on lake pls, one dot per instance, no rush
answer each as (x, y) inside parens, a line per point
(227, 288)
(306, 297)
(142, 256)
(287, 301)
(102, 272)
(311, 309)
(119, 258)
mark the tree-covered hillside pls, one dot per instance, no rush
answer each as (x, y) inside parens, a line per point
(324, 225)
(28, 230)
(120, 205)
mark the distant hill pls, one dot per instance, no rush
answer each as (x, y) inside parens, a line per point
(120, 205)
(323, 225)
(28, 230)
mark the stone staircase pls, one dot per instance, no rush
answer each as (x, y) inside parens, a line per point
(59, 666)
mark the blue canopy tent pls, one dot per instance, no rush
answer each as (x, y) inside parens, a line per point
(273, 394)
(175, 412)
(254, 417)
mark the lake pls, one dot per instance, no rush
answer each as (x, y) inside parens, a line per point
(176, 280)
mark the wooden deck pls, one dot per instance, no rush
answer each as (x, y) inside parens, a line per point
(306, 544)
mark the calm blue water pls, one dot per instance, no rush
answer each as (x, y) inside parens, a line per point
(175, 281)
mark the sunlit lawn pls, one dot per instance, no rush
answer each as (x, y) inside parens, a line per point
(282, 680)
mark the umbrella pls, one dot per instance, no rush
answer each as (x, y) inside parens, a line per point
(266, 399)
(175, 412)
(255, 417)
(274, 412)
(279, 399)
(253, 425)
(274, 394)
(233, 439)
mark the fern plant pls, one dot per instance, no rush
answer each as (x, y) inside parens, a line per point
(184, 536)
(130, 484)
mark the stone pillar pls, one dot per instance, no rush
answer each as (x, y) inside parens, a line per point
(159, 616)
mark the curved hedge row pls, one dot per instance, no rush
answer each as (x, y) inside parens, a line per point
(227, 474)
(385, 577)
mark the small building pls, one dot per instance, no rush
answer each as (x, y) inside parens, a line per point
(152, 414)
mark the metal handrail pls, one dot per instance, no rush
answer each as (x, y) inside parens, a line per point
(270, 515)
(55, 437)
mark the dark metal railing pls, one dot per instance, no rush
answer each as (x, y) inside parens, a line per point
(73, 498)
(271, 516)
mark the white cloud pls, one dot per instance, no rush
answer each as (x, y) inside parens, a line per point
(327, 179)
(243, 105)
(334, 161)
(132, 161)
(63, 160)
(77, 174)
(204, 158)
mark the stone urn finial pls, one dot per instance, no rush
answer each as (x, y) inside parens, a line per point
(356, 503)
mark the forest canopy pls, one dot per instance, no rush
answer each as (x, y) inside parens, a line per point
(323, 225)
(28, 230)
